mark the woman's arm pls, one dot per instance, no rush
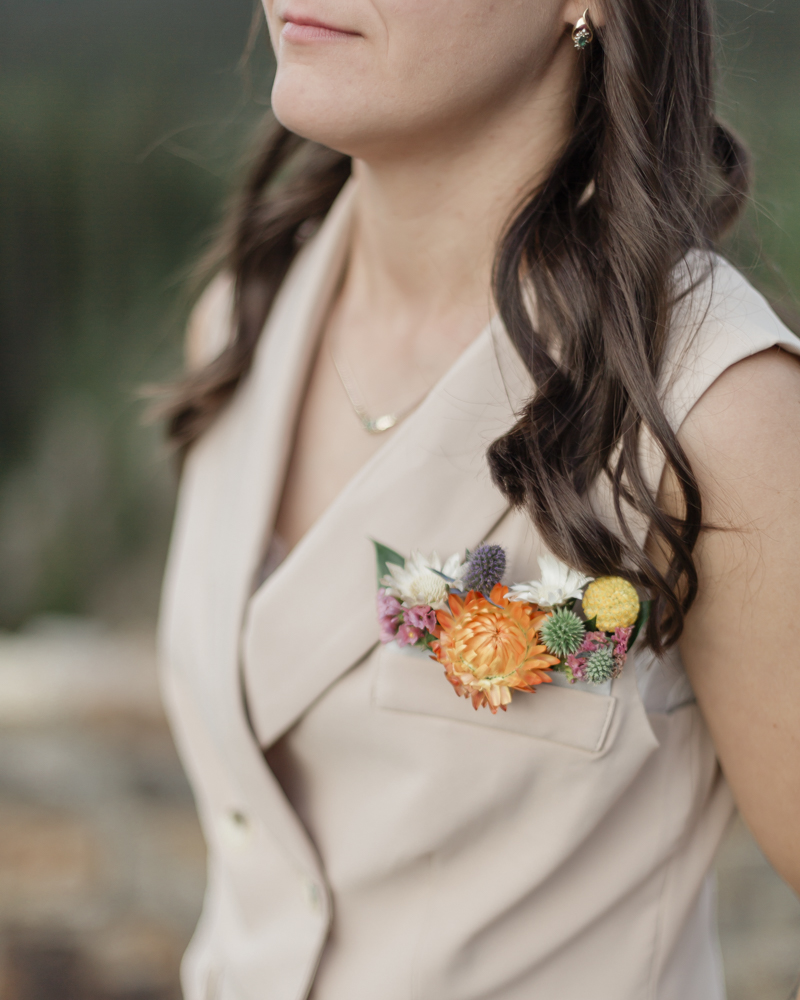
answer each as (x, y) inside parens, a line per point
(741, 644)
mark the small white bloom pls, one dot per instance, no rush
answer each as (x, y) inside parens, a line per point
(455, 568)
(416, 583)
(558, 585)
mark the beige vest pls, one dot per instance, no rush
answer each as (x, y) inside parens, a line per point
(415, 849)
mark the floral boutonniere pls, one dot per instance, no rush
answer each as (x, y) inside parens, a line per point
(492, 639)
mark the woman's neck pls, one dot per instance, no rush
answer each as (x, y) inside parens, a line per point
(416, 291)
(427, 223)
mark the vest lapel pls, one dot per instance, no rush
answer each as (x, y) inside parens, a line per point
(228, 494)
(428, 488)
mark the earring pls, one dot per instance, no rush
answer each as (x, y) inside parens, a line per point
(582, 33)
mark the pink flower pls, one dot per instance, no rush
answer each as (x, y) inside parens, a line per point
(388, 615)
(407, 635)
(388, 629)
(388, 606)
(593, 641)
(421, 617)
(578, 667)
(621, 637)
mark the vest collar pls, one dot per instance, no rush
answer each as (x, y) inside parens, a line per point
(428, 488)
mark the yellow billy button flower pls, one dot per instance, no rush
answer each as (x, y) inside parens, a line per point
(612, 601)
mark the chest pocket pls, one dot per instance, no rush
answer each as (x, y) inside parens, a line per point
(407, 680)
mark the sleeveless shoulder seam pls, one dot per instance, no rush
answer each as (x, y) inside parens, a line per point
(720, 320)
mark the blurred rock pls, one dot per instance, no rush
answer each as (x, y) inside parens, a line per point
(62, 669)
(102, 863)
(759, 919)
(41, 969)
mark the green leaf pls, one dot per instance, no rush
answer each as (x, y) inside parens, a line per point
(426, 640)
(384, 555)
(641, 621)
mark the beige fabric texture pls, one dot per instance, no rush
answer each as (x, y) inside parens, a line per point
(392, 843)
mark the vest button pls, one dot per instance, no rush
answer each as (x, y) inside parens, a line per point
(236, 829)
(313, 895)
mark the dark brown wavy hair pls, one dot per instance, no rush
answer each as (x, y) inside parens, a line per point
(647, 175)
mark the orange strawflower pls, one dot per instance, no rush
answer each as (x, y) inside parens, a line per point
(489, 647)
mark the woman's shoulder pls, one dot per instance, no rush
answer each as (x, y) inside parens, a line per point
(734, 402)
(719, 321)
(209, 329)
(750, 405)
(742, 418)
(718, 310)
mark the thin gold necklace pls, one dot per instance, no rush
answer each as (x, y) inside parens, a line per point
(372, 426)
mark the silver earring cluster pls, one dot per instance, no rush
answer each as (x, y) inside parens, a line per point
(583, 33)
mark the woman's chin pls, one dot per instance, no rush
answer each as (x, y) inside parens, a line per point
(331, 123)
(313, 113)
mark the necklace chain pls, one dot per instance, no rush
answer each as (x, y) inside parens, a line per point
(372, 426)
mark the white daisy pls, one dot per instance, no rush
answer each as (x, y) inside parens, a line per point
(416, 583)
(558, 585)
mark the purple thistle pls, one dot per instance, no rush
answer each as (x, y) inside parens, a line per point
(486, 567)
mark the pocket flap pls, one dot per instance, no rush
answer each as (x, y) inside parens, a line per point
(409, 681)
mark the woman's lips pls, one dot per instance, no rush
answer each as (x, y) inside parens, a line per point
(302, 29)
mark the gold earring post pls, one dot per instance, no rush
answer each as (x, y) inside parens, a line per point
(582, 33)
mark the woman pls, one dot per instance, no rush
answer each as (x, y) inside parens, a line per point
(509, 328)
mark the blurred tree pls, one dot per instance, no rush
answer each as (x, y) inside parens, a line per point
(760, 81)
(120, 128)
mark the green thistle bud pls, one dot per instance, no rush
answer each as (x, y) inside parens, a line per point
(600, 666)
(562, 633)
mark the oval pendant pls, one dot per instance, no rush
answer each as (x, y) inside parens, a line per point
(380, 424)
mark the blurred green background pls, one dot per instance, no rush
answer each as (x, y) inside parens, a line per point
(122, 126)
